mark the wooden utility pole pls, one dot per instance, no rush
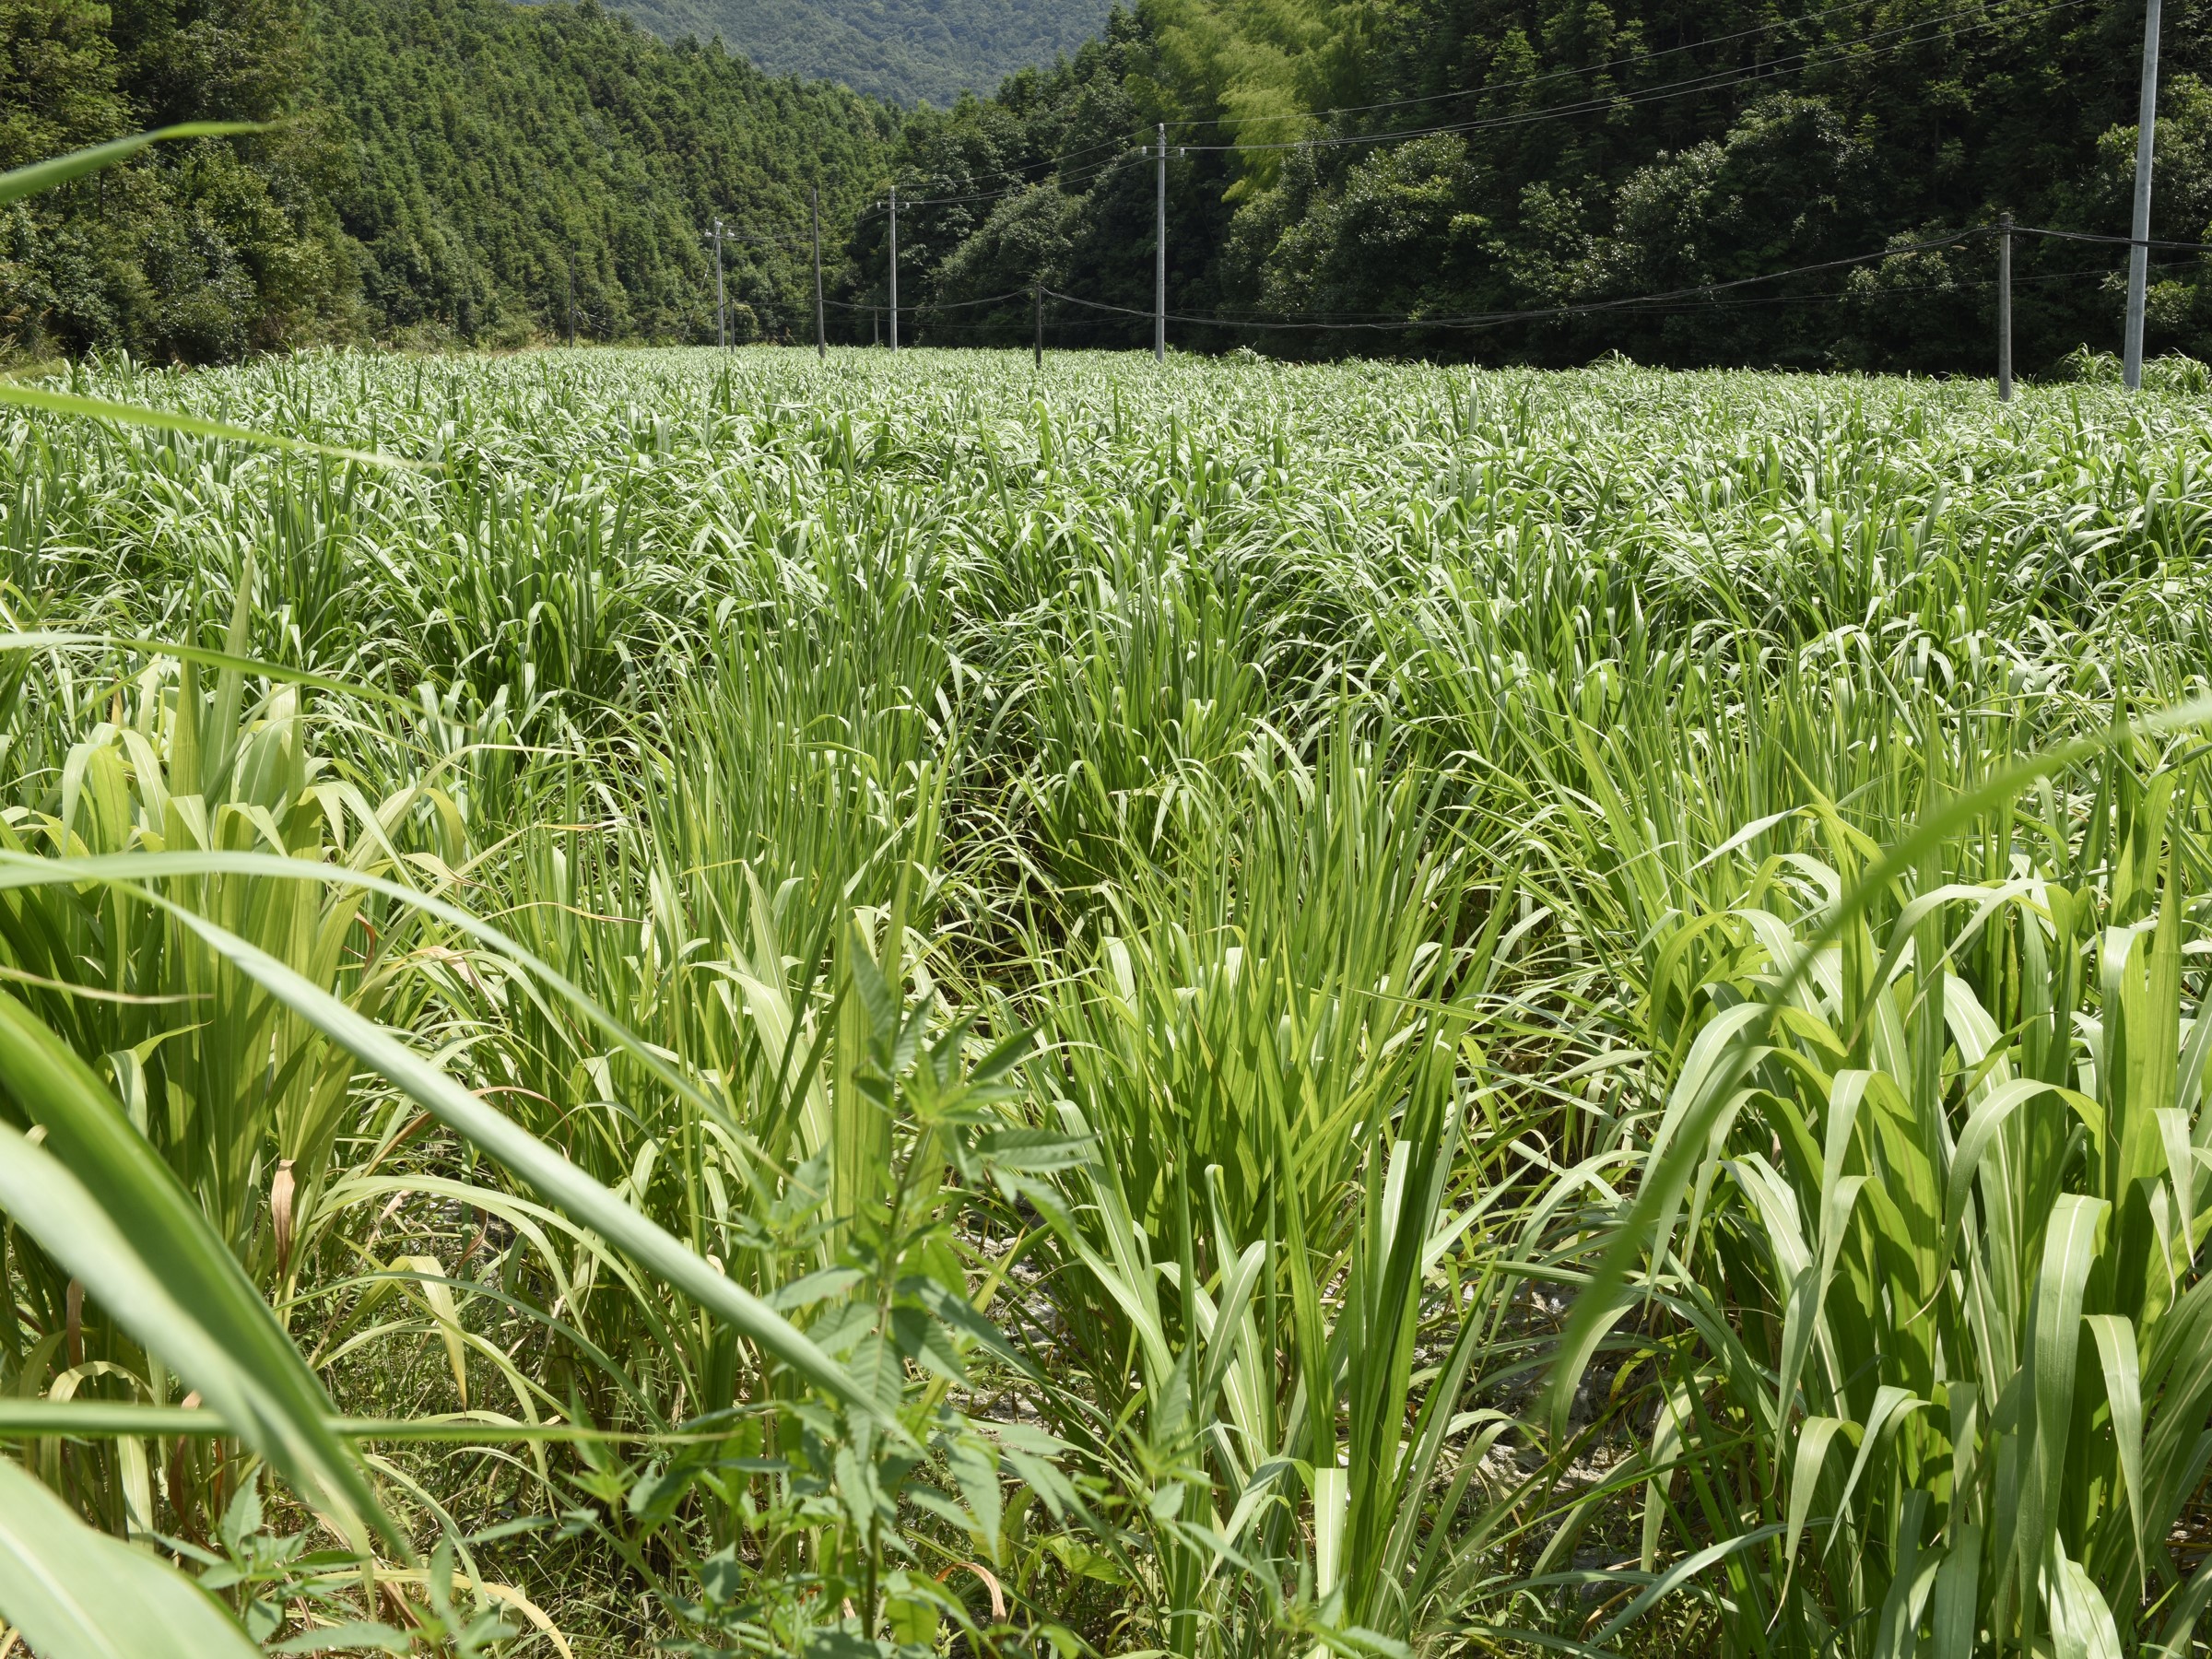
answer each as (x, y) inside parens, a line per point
(2005, 309)
(1160, 255)
(894, 267)
(821, 336)
(2139, 254)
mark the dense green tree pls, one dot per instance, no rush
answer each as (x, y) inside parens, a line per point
(194, 251)
(1511, 175)
(487, 144)
(57, 78)
(1458, 160)
(434, 168)
(906, 50)
(981, 228)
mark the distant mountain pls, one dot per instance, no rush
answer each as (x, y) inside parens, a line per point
(903, 49)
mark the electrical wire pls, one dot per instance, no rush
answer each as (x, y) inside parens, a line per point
(1530, 80)
(936, 305)
(1700, 296)
(1918, 31)
(1121, 145)
(1644, 305)
(1486, 319)
(2125, 241)
(1541, 77)
(880, 209)
(1711, 81)
(1983, 286)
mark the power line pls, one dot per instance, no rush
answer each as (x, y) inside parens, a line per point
(1541, 77)
(1640, 304)
(1711, 81)
(756, 237)
(1701, 296)
(1981, 285)
(1919, 32)
(1662, 303)
(937, 305)
(1051, 164)
(1051, 161)
(2125, 241)
(1061, 179)
(1489, 319)
(1916, 32)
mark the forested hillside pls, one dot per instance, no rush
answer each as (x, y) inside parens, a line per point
(198, 251)
(1493, 180)
(483, 142)
(437, 164)
(901, 50)
(1371, 161)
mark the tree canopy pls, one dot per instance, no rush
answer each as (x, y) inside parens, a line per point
(487, 143)
(1375, 161)
(906, 50)
(435, 168)
(196, 250)
(1487, 180)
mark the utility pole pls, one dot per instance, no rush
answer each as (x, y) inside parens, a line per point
(1037, 300)
(721, 332)
(821, 338)
(2139, 254)
(1159, 254)
(2005, 309)
(572, 293)
(894, 267)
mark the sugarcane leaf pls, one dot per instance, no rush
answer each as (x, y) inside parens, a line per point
(2069, 1251)
(49, 402)
(2124, 1390)
(45, 175)
(1957, 1611)
(101, 1202)
(1813, 1440)
(1680, 1573)
(558, 1180)
(77, 1594)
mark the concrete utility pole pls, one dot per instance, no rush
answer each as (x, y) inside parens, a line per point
(2005, 309)
(721, 332)
(2139, 255)
(1037, 300)
(894, 267)
(821, 336)
(572, 293)
(1160, 255)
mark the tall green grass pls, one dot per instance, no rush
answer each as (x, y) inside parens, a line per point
(913, 1006)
